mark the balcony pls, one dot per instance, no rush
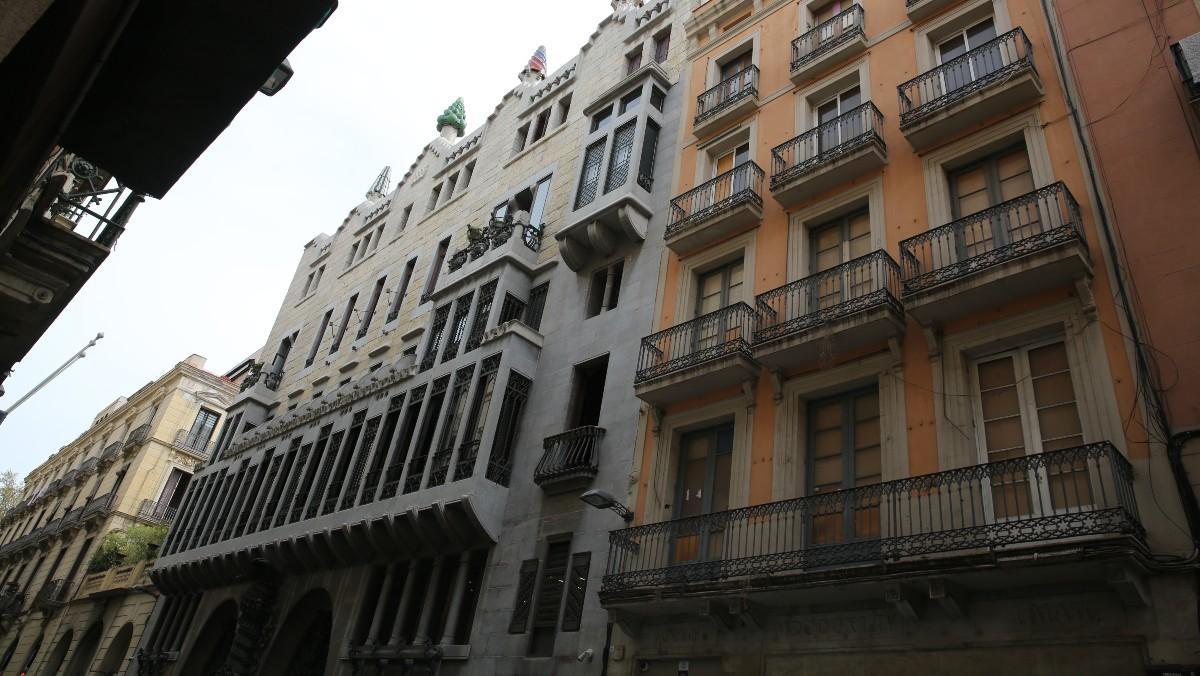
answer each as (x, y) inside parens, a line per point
(98, 506)
(983, 83)
(88, 467)
(116, 581)
(724, 206)
(492, 236)
(1016, 248)
(196, 447)
(828, 43)
(840, 150)
(924, 524)
(569, 460)
(12, 600)
(139, 435)
(156, 512)
(848, 306)
(919, 9)
(733, 97)
(109, 454)
(52, 595)
(710, 352)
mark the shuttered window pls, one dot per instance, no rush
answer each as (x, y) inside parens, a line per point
(526, 580)
(577, 579)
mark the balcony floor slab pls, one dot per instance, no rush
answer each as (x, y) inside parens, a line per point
(721, 372)
(1021, 87)
(779, 347)
(738, 217)
(859, 161)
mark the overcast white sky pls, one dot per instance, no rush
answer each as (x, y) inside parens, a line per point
(203, 270)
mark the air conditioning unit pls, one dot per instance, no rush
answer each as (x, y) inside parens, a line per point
(1187, 59)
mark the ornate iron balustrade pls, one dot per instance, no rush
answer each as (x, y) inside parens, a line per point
(12, 600)
(571, 454)
(71, 518)
(138, 435)
(111, 450)
(52, 595)
(825, 143)
(1032, 222)
(729, 330)
(866, 282)
(736, 87)
(70, 477)
(98, 505)
(252, 376)
(1070, 493)
(740, 185)
(201, 448)
(158, 512)
(496, 233)
(837, 30)
(992, 62)
(88, 466)
(79, 195)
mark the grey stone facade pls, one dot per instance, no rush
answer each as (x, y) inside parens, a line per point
(396, 491)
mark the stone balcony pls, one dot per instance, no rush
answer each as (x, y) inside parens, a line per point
(845, 148)
(570, 460)
(116, 581)
(918, 10)
(984, 83)
(717, 209)
(712, 351)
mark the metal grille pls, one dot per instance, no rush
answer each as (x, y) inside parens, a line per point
(589, 180)
(729, 330)
(738, 186)
(371, 483)
(500, 462)
(416, 466)
(458, 329)
(440, 317)
(536, 306)
(741, 85)
(345, 455)
(360, 464)
(440, 467)
(825, 143)
(622, 157)
(391, 481)
(569, 455)
(289, 495)
(468, 452)
(513, 308)
(825, 36)
(483, 308)
(1081, 491)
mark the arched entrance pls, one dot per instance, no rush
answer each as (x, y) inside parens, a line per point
(114, 658)
(85, 651)
(301, 646)
(212, 644)
(55, 660)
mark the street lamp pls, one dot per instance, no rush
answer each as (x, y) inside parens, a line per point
(76, 357)
(604, 500)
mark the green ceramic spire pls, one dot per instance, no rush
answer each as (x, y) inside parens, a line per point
(455, 116)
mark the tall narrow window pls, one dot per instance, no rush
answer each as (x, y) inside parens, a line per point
(521, 138)
(633, 61)
(541, 125)
(541, 193)
(458, 327)
(369, 314)
(646, 162)
(622, 156)
(404, 216)
(420, 453)
(440, 317)
(433, 197)
(549, 599)
(451, 184)
(468, 450)
(499, 467)
(468, 172)
(958, 73)
(589, 179)
(202, 429)
(564, 109)
(987, 183)
(605, 288)
(439, 259)
(341, 329)
(353, 253)
(844, 452)
(394, 310)
(587, 392)
(316, 346)
(662, 45)
(705, 462)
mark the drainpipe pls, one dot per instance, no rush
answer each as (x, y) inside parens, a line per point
(1158, 410)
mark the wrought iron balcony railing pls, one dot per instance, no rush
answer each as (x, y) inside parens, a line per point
(729, 330)
(825, 36)
(138, 435)
(98, 505)
(12, 600)
(572, 454)
(195, 445)
(1030, 223)
(822, 144)
(737, 186)
(737, 87)
(158, 512)
(52, 595)
(1070, 493)
(76, 194)
(88, 466)
(866, 282)
(496, 233)
(992, 62)
(71, 518)
(110, 451)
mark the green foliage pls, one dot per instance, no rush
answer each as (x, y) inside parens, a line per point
(10, 490)
(127, 547)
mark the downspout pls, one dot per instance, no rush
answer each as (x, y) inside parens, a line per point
(1175, 441)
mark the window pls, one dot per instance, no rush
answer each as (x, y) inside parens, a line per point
(394, 310)
(341, 329)
(404, 216)
(720, 287)
(433, 197)
(601, 119)
(451, 183)
(202, 429)
(662, 45)
(439, 259)
(587, 392)
(353, 252)
(732, 67)
(549, 599)
(589, 179)
(633, 61)
(844, 452)
(963, 72)
(537, 209)
(564, 109)
(369, 314)
(605, 289)
(622, 156)
(541, 125)
(631, 100)
(658, 98)
(467, 173)
(831, 244)
(839, 129)
(320, 335)
(646, 163)
(522, 135)
(308, 284)
(987, 182)
(378, 236)
(1025, 403)
(702, 487)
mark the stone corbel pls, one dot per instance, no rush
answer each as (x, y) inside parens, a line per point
(656, 416)
(906, 603)
(749, 394)
(753, 615)
(893, 343)
(949, 597)
(601, 238)
(933, 339)
(573, 253)
(777, 381)
(719, 614)
(1129, 586)
(1087, 300)
(633, 222)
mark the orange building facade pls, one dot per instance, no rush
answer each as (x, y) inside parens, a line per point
(894, 414)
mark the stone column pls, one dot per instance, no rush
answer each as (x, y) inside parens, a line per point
(389, 580)
(410, 581)
(456, 598)
(427, 610)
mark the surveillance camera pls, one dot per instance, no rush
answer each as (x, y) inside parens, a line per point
(586, 656)
(643, 666)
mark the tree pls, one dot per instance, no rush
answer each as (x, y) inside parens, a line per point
(127, 547)
(10, 490)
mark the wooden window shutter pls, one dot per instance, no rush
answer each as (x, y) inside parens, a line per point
(526, 580)
(577, 579)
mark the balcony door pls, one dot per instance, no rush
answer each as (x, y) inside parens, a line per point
(831, 244)
(995, 180)
(725, 189)
(733, 86)
(705, 461)
(1025, 404)
(717, 289)
(958, 74)
(827, 12)
(837, 133)
(844, 454)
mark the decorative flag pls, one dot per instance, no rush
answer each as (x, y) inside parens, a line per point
(537, 63)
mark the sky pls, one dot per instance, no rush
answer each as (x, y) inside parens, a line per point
(203, 271)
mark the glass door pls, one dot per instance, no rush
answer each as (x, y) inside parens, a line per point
(994, 180)
(844, 454)
(705, 460)
(962, 73)
(740, 181)
(717, 289)
(832, 244)
(837, 133)
(734, 86)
